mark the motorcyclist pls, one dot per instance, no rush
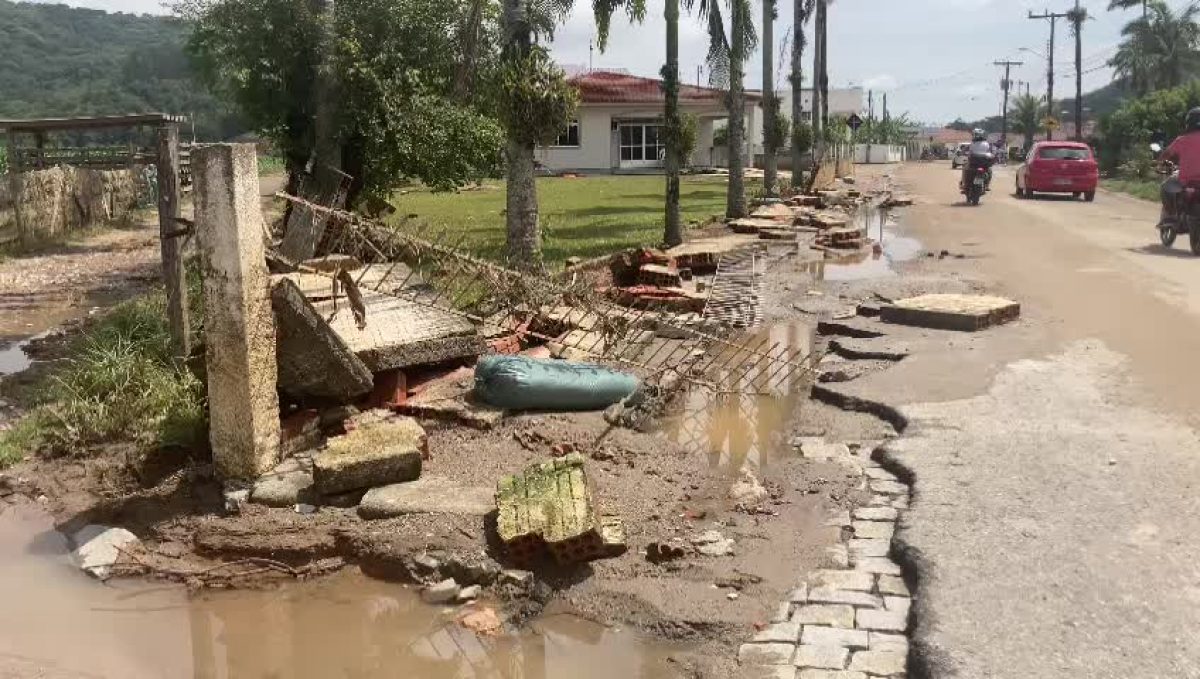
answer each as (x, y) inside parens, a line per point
(1185, 153)
(980, 154)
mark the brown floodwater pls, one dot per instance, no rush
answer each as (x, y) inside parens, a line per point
(56, 622)
(746, 420)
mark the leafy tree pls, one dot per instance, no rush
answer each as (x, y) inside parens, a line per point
(1130, 4)
(1161, 50)
(394, 63)
(1157, 117)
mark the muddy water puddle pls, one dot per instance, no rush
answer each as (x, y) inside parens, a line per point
(745, 419)
(873, 262)
(55, 622)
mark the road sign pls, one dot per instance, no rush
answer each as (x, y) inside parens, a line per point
(1051, 123)
(854, 122)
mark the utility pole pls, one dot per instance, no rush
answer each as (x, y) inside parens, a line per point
(870, 106)
(885, 110)
(1005, 85)
(1053, 17)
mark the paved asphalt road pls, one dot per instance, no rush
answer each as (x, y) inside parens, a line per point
(1056, 516)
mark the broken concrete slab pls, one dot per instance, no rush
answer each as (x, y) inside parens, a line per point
(548, 507)
(426, 495)
(856, 349)
(578, 345)
(660, 275)
(450, 398)
(751, 225)
(378, 452)
(775, 211)
(967, 313)
(676, 300)
(290, 483)
(313, 360)
(98, 549)
(702, 254)
(399, 333)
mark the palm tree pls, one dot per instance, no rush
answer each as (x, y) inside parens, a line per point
(801, 12)
(1130, 4)
(727, 55)
(1160, 50)
(1027, 113)
(770, 102)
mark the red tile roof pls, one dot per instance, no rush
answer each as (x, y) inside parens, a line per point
(606, 87)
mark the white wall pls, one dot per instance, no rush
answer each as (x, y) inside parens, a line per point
(842, 102)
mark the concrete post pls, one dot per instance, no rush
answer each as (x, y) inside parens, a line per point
(172, 245)
(239, 327)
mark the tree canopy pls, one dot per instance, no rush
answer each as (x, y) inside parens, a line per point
(64, 61)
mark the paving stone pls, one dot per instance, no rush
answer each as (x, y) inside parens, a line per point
(766, 654)
(839, 520)
(821, 450)
(877, 564)
(881, 641)
(426, 495)
(892, 585)
(901, 502)
(829, 595)
(861, 547)
(837, 556)
(284, 486)
(874, 529)
(889, 487)
(899, 604)
(766, 672)
(881, 500)
(783, 612)
(782, 632)
(881, 474)
(800, 594)
(813, 635)
(885, 663)
(876, 513)
(854, 580)
(821, 657)
(377, 452)
(831, 674)
(966, 313)
(881, 621)
(834, 615)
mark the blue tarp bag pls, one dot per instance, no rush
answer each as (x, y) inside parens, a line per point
(522, 383)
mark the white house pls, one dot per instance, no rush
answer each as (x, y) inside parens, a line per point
(619, 125)
(842, 103)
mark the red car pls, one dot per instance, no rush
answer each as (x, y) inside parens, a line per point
(1059, 167)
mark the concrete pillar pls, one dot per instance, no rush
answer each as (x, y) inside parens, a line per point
(239, 328)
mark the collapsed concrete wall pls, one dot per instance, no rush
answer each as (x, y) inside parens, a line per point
(62, 199)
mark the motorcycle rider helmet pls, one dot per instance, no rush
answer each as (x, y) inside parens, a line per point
(1193, 120)
(978, 135)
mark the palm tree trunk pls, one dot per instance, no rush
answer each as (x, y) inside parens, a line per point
(463, 78)
(824, 21)
(1078, 76)
(735, 203)
(770, 102)
(816, 97)
(523, 232)
(674, 161)
(797, 81)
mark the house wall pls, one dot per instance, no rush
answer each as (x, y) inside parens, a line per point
(598, 150)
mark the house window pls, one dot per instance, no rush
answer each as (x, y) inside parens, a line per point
(570, 137)
(642, 143)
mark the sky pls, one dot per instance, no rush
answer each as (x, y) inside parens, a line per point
(934, 58)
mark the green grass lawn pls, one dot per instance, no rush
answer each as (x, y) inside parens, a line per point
(585, 217)
(1146, 189)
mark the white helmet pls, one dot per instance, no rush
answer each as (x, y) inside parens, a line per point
(979, 135)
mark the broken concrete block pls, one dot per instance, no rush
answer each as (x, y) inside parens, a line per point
(313, 360)
(866, 350)
(660, 275)
(774, 211)
(375, 453)
(98, 548)
(426, 495)
(441, 592)
(548, 507)
(288, 484)
(967, 313)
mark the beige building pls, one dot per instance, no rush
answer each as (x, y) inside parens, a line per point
(619, 125)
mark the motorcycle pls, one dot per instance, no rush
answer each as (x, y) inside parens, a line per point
(1186, 219)
(976, 184)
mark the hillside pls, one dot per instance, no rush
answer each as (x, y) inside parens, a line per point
(60, 61)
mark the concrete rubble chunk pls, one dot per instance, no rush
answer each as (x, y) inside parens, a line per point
(868, 350)
(98, 549)
(853, 580)
(899, 604)
(967, 313)
(766, 654)
(830, 674)
(881, 474)
(881, 621)
(549, 507)
(882, 641)
(313, 360)
(451, 398)
(881, 663)
(870, 547)
(834, 615)
(765, 672)
(399, 333)
(426, 495)
(288, 484)
(829, 595)
(875, 514)
(379, 451)
(889, 487)
(814, 635)
(659, 274)
(820, 450)
(821, 657)
(441, 592)
(877, 564)
(747, 490)
(713, 543)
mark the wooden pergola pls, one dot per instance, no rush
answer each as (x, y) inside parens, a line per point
(166, 158)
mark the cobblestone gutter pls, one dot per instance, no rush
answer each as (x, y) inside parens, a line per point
(849, 620)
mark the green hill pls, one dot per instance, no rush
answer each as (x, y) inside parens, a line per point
(62, 61)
